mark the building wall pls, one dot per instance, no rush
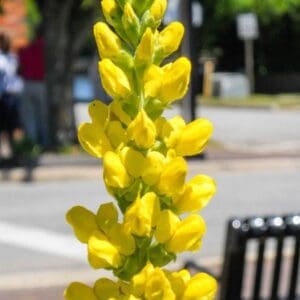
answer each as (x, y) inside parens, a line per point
(13, 22)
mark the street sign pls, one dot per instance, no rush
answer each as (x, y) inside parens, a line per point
(247, 26)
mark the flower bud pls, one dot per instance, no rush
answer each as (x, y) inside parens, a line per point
(176, 80)
(131, 24)
(201, 286)
(114, 80)
(102, 253)
(172, 177)
(158, 9)
(188, 235)
(111, 11)
(142, 131)
(170, 38)
(79, 291)
(109, 44)
(196, 194)
(83, 222)
(114, 172)
(144, 51)
(194, 137)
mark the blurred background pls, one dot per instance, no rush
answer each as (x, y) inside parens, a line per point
(246, 80)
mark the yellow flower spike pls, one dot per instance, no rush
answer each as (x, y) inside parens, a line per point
(158, 286)
(116, 133)
(106, 289)
(194, 137)
(83, 222)
(177, 78)
(172, 177)
(142, 131)
(170, 38)
(166, 226)
(196, 194)
(142, 215)
(114, 172)
(93, 139)
(144, 51)
(188, 235)
(121, 239)
(133, 160)
(109, 44)
(114, 80)
(79, 291)
(102, 253)
(153, 167)
(107, 216)
(117, 111)
(201, 287)
(158, 9)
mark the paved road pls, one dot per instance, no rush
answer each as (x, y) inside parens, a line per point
(35, 237)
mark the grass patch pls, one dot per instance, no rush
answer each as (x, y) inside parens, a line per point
(288, 101)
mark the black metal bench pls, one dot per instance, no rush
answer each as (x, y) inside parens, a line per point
(241, 232)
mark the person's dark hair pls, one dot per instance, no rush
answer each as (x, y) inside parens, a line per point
(4, 42)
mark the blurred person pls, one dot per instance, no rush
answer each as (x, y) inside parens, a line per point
(34, 108)
(11, 86)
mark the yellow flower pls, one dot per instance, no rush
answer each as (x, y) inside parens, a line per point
(83, 222)
(79, 291)
(176, 80)
(166, 226)
(152, 167)
(194, 137)
(144, 51)
(109, 44)
(200, 287)
(196, 194)
(170, 38)
(142, 130)
(158, 9)
(172, 178)
(153, 79)
(117, 111)
(188, 235)
(114, 172)
(133, 161)
(114, 80)
(91, 135)
(102, 253)
(110, 10)
(139, 280)
(178, 281)
(142, 215)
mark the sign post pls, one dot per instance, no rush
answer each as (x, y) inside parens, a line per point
(247, 28)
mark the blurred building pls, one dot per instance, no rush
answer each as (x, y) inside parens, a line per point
(13, 22)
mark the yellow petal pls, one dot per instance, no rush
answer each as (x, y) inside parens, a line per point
(178, 281)
(139, 280)
(153, 167)
(93, 139)
(79, 291)
(153, 79)
(201, 287)
(166, 226)
(114, 80)
(196, 195)
(188, 235)
(170, 38)
(106, 289)
(116, 133)
(98, 112)
(144, 51)
(194, 137)
(102, 253)
(133, 160)
(107, 216)
(173, 176)
(114, 172)
(82, 221)
(117, 110)
(158, 9)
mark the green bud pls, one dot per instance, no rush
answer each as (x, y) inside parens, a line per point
(159, 257)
